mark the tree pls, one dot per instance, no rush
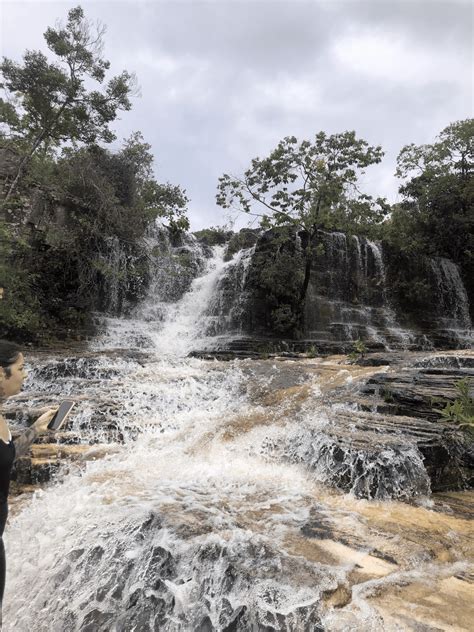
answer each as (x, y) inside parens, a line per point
(307, 186)
(115, 194)
(436, 214)
(48, 104)
(154, 199)
(451, 154)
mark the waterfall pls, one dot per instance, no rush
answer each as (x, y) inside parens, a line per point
(165, 327)
(453, 304)
(402, 336)
(214, 503)
(227, 307)
(349, 298)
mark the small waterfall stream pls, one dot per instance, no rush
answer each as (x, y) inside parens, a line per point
(214, 506)
(350, 297)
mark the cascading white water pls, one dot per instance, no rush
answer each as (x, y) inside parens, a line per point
(402, 336)
(203, 515)
(351, 298)
(227, 305)
(453, 300)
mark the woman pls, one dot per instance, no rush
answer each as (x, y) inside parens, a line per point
(12, 375)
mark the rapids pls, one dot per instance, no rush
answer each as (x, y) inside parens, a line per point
(214, 507)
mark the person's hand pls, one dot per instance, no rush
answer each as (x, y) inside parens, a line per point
(41, 424)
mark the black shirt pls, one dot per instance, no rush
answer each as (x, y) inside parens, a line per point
(7, 456)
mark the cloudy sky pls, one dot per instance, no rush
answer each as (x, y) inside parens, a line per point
(223, 81)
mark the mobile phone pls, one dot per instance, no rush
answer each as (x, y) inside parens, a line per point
(61, 414)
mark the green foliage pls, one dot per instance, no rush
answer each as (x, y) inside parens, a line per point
(461, 410)
(115, 195)
(305, 186)
(19, 307)
(153, 199)
(184, 260)
(53, 102)
(276, 274)
(320, 250)
(69, 204)
(90, 205)
(312, 352)
(409, 276)
(213, 236)
(387, 396)
(245, 238)
(359, 349)
(436, 215)
(49, 104)
(452, 154)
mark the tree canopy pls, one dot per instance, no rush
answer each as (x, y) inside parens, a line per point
(307, 186)
(154, 199)
(436, 214)
(50, 103)
(451, 154)
(74, 229)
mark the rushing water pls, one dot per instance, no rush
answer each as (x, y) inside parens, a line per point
(213, 508)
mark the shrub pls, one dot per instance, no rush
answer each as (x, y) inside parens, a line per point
(461, 410)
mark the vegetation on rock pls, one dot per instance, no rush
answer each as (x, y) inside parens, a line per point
(74, 213)
(302, 188)
(359, 349)
(461, 410)
(245, 238)
(213, 236)
(436, 215)
(307, 186)
(70, 206)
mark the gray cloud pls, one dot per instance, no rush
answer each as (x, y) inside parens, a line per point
(223, 82)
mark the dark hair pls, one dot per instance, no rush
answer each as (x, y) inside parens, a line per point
(9, 352)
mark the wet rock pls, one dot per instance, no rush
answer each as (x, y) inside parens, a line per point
(353, 293)
(337, 598)
(205, 625)
(406, 401)
(84, 367)
(96, 621)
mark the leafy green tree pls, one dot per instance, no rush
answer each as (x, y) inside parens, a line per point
(116, 194)
(19, 304)
(436, 215)
(451, 154)
(61, 265)
(48, 104)
(154, 199)
(308, 186)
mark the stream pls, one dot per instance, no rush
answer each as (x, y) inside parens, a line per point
(211, 507)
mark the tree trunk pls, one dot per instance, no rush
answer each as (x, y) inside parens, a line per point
(25, 160)
(308, 257)
(39, 139)
(307, 272)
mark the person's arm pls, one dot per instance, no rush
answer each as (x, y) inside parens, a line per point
(24, 441)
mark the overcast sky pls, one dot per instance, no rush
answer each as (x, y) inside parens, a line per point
(222, 82)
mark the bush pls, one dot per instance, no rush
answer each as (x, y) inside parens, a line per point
(461, 410)
(214, 236)
(359, 349)
(245, 238)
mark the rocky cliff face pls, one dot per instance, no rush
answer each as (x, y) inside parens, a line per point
(359, 289)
